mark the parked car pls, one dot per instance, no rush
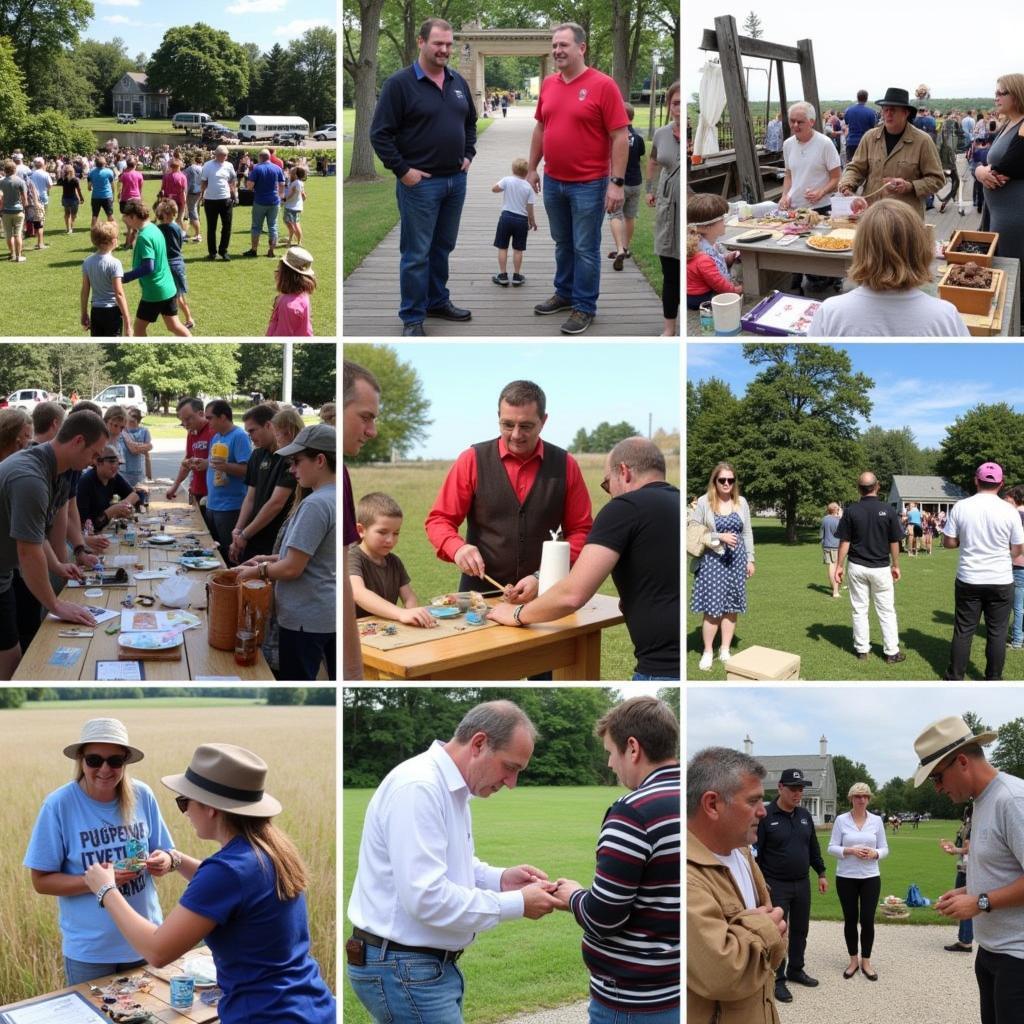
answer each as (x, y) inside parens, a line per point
(126, 119)
(124, 395)
(215, 132)
(29, 398)
(328, 131)
(287, 139)
(301, 407)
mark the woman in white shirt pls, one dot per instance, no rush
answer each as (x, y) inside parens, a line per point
(858, 841)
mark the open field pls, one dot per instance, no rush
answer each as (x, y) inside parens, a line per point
(520, 965)
(226, 299)
(150, 702)
(415, 485)
(297, 743)
(790, 608)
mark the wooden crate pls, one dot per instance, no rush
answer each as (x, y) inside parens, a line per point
(976, 301)
(762, 663)
(982, 259)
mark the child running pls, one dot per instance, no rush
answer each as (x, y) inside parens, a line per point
(296, 281)
(102, 272)
(294, 198)
(150, 267)
(174, 239)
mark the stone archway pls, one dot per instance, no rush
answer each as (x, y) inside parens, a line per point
(473, 44)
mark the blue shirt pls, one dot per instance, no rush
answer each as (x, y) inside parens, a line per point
(260, 943)
(927, 124)
(859, 118)
(134, 465)
(228, 496)
(102, 181)
(914, 516)
(74, 831)
(265, 178)
(829, 537)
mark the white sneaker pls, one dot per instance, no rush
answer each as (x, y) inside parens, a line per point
(724, 654)
(706, 661)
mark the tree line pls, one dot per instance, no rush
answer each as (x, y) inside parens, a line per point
(15, 697)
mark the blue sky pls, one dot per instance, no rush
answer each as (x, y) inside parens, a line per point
(142, 23)
(922, 386)
(874, 725)
(585, 384)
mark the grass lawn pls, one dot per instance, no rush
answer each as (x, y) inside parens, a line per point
(226, 299)
(914, 856)
(790, 608)
(520, 965)
(415, 487)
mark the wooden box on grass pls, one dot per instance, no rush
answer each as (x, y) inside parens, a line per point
(982, 259)
(762, 663)
(969, 300)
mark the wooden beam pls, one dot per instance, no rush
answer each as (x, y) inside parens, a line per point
(808, 78)
(749, 47)
(749, 183)
(783, 102)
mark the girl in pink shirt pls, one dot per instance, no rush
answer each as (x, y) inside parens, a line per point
(295, 283)
(130, 183)
(175, 186)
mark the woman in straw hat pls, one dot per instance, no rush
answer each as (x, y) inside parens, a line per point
(90, 819)
(247, 900)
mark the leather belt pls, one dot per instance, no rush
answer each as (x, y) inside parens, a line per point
(444, 955)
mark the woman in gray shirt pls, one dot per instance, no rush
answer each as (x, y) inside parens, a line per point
(663, 194)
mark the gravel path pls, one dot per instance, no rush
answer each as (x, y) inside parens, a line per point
(918, 981)
(574, 1013)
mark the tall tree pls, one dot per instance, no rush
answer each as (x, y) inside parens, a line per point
(712, 429)
(986, 433)
(847, 773)
(254, 59)
(103, 64)
(362, 66)
(12, 97)
(172, 371)
(24, 365)
(1009, 753)
(799, 436)
(888, 453)
(626, 30)
(752, 26)
(260, 368)
(77, 366)
(313, 74)
(271, 89)
(975, 723)
(315, 373)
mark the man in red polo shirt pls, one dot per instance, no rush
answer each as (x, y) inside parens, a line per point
(197, 446)
(581, 133)
(511, 491)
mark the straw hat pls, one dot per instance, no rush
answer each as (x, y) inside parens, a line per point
(228, 778)
(941, 739)
(300, 260)
(104, 730)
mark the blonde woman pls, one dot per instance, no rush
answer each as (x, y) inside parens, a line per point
(720, 582)
(858, 842)
(1003, 177)
(830, 543)
(247, 900)
(92, 819)
(892, 257)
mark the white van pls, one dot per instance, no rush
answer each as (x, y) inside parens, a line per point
(189, 120)
(259, 126)
(123, 395)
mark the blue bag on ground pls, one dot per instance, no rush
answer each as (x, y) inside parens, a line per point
(914, 897)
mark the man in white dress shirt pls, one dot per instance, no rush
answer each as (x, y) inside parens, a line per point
(420, 894)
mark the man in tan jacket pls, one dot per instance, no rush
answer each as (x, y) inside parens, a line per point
(736, 938)
(895, 159)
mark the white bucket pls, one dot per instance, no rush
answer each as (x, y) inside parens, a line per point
(726, 311)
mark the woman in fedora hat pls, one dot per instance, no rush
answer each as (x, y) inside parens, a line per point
(247, 900)
(296, 281)
(93, 818)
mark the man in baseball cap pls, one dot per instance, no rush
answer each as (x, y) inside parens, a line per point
(989, 534)
(787, 847)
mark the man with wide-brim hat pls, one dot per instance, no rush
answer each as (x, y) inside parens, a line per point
(895, 160)
(951, 756)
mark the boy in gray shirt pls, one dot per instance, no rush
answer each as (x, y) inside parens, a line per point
(107, 316)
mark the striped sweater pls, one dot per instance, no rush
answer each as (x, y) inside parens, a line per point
(630, 916)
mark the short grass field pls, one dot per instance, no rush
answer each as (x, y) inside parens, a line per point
(790, 608)
(297, 743)
(520, 965)
(151, 702)
(226, 299)
(914, 857)
(415, 487)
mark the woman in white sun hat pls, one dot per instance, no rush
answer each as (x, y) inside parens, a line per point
(247, 900)
(90, 819)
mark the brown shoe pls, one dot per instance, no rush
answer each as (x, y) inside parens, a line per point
(863, 656)
(895, 659)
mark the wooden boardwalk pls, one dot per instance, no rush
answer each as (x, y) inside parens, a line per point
(628, 305)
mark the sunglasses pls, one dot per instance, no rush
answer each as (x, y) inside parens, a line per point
(605, 485)
(182, 802)
(936, 776)
(95, 761)
(730, 480)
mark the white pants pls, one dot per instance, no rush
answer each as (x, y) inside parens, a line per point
(866, 585)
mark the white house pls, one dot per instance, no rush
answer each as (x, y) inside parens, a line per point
(819, 793)
(132, 95)
(932, 493)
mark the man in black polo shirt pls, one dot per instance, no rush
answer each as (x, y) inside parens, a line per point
(787, 847)
(424, 131)
(870, 534)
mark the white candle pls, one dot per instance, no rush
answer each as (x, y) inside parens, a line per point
(554, 563)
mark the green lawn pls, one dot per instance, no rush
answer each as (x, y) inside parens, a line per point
(914, 856)
(143, 124)
(415, 487)
(226, 299)
(790, 608)
(520, 965)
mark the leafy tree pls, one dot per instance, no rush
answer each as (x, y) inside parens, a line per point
(580, 441)
(712, 430)
(322, 695)
(403, 408)
(271, 90)
(892, 797)
(12, 96)
(260, 368)
(986, 433)
(847, 773)
(313, 74)
(76, 366)
(603, 438)
(51, 131)
(752, 26)
(799, 428)
(103, 65)
(362, 66)
(315, 374)
(11, 697)
(1009, 752)
(286, 696)
(66, 89)
(174, 370)
(888, 453)
(974, 723)
(202, 67)
(24, 366)
(255, 61)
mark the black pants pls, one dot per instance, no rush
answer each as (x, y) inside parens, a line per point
(973, 599)
(795, 899)
(670, 288)
(221, 524)
(302, 652)
(218, 209)
(858, 897)
(30, 612)
(1001, 987)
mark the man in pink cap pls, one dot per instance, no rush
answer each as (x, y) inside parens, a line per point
(989, 534)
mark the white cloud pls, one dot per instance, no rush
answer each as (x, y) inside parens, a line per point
(119, 3)
(294, 29)
(256, 6)
(120, 19)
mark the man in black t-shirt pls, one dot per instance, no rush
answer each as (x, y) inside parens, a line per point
(97, 489)
(635, 539)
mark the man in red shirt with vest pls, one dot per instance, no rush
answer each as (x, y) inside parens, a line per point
(581, 133)
(511, 491)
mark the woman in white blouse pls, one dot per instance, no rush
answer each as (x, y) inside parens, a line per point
(858, 841)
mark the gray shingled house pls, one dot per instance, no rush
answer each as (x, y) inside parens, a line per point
(820, 793)
(932, 493)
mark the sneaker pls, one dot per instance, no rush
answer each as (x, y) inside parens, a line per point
(577, 323)
(707, 659)
(517, 280)
(620, 258)
(724, 654)
(895, 659)
(1014, 647)
(556, 304)
(225, 257)
(501, 279)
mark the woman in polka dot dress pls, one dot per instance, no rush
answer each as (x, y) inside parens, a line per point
(720, 582)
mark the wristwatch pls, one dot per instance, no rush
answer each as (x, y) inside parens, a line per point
(618, 181)
(984, 903)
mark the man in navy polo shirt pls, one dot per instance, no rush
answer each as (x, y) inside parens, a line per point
(424, 131)
(859, 118)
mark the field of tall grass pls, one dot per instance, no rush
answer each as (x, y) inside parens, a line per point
(298, 745)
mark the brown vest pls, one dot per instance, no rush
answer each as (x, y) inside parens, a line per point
(510, 535)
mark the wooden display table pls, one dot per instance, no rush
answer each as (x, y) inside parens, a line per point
(762, 663)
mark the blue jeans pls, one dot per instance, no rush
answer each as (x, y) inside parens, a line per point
(575, 212)
(965, 933)
(601, 1014)
(77, 971)
(265, 212)
(430, 213)
(301, 652)
(639, 677)
(1018, 607)
(402, 988)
